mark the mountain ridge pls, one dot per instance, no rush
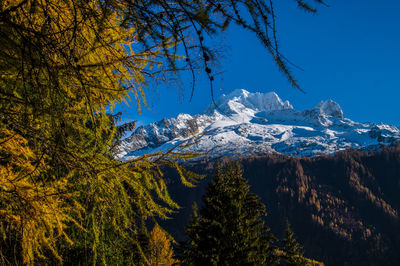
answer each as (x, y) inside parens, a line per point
(259, 123)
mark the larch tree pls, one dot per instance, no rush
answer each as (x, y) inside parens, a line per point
(160, 249)
(64, 65)
(229, 228)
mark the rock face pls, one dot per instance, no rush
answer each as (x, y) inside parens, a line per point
(245, 123)
(330, 108)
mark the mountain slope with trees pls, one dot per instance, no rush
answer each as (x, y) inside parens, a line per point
(344, 208)
(229, 228)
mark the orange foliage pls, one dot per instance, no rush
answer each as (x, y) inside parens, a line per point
(161, 252)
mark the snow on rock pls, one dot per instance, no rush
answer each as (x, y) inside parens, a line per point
(258, 123)
(241, 101)
(330, 108)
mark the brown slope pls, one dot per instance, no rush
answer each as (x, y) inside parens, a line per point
(344, 208)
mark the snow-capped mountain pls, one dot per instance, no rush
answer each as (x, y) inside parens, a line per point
(258, 123)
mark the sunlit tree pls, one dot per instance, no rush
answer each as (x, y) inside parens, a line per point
(160, 249)
(64, 64)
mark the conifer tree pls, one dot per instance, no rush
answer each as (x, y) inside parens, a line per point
(63, 67)
(228, 229)
(160, 249)
(292, 250)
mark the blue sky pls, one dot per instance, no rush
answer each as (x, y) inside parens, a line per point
(350, 53)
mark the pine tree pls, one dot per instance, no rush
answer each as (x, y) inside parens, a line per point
(292, 250)
(228, 229)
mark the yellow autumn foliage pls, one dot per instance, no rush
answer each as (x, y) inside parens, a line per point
(27, 203)
(160, 249)
(64, 64)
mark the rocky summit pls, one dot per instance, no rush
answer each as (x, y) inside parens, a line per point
(244, 123)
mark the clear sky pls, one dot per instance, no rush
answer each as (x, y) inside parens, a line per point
(350, 53)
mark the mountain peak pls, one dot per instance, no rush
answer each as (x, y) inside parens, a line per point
(239, 99)
(259, 123)
(330, 108)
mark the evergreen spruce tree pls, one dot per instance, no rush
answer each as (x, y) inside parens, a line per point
(293, 251)
(228, 229)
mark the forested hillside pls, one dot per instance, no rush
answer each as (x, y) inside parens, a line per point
(344, 208)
